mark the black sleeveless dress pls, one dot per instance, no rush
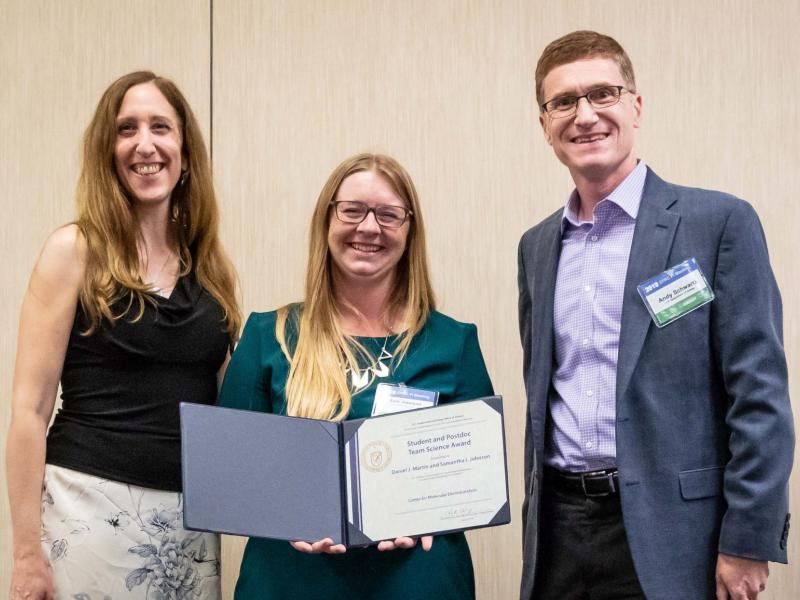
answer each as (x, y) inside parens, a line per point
(121, 387)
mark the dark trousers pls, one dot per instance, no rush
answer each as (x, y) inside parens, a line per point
(583, 551)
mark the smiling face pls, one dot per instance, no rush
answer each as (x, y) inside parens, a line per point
(366, 252)
(595, 144)
(147, 153)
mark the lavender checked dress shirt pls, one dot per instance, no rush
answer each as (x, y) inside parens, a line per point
(587, 311)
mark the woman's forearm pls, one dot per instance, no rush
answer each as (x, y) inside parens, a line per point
(25, 456)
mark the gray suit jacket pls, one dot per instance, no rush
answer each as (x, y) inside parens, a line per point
(704, 429)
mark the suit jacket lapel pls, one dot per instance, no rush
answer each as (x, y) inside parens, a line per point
(547, 252)
(650, 249)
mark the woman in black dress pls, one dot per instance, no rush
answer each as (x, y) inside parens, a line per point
(133, 308)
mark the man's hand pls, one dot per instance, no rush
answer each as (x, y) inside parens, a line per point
(740, 578)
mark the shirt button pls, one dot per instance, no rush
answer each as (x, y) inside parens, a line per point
(589, 445)
(589, 393)
(585, 341)
(594, 238)
(587, 288)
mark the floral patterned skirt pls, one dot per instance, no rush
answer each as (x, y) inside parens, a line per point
(112, 541)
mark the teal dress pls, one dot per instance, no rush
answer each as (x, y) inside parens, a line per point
(444, 356)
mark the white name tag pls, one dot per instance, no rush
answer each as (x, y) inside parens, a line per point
(675, 292)
(398, 398)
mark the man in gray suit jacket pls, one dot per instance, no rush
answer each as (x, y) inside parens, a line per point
(659, 436)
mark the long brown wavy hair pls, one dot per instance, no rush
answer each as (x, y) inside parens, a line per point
(317, 385)
(108, 222)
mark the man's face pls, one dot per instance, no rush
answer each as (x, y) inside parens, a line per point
(594, 144)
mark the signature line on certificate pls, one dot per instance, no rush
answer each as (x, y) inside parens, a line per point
(416, 510)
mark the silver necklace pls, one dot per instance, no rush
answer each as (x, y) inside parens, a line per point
(380, 367)
(157, 289)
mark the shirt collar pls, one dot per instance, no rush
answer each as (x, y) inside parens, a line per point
(627, 195)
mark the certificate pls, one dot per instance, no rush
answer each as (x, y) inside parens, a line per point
(427, 471)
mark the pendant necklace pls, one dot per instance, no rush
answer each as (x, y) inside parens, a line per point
(380, 367)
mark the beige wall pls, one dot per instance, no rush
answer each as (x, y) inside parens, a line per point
(445, 86)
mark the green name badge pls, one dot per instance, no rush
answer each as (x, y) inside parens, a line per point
(675, 292)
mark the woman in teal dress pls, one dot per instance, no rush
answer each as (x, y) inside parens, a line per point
(368, 317)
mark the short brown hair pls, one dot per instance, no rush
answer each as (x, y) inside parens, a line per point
(576, 46)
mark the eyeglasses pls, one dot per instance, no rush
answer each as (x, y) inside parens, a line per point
(387, 215)
(566, 106)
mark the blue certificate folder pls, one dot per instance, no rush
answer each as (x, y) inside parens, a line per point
(264, 475)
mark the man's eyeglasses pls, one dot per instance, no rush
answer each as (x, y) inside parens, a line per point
(387, 215)
(566, 106)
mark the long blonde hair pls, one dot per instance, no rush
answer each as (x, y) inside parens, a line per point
(109, 224)
(317, 385)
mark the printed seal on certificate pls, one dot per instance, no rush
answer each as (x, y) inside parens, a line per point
(376, 456)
